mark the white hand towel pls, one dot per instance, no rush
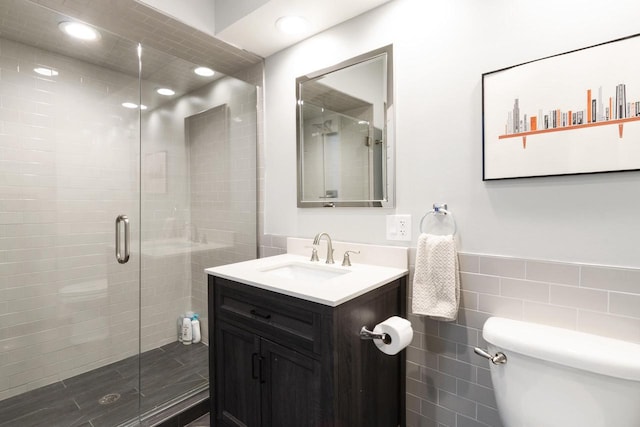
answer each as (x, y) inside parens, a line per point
(436, 280)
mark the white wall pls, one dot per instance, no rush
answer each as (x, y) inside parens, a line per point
(229, 11)
(196, 13)
(441, 50)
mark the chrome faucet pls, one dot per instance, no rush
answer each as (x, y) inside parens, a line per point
(316, 241)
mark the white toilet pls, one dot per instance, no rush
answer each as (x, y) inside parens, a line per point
(555, 377)
(81, 302)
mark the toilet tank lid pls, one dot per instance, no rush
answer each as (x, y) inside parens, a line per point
(602, 355)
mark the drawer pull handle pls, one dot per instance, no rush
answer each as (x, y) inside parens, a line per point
(256, 313)
(254, 366)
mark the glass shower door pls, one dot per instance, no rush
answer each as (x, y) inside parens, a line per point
(89, 146)
(198, 209)
(69, 166)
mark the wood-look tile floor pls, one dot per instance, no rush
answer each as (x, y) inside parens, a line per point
(165, 373)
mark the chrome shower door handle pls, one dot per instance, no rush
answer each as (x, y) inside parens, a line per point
(122, 219)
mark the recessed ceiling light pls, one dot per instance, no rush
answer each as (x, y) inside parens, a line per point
(79, 30)
(165, 91)
(204, 71)
(292, 24)
(129, 105)
(44, 71)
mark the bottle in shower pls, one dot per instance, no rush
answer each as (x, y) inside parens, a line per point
(187, 332)
(180, 321)
(195, 327)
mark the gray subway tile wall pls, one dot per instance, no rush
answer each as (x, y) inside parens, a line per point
(551, 293)
(624, 304)
(610, 279)
(450, 386)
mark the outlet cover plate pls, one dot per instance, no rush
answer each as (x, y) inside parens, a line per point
(399, 227)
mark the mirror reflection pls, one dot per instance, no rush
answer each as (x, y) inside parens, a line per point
(344, 149)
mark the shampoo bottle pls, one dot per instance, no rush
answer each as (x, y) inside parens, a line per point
(195, 327)
(187, 333)
(180, 321)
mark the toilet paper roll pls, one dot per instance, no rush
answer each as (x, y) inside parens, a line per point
(400, 332)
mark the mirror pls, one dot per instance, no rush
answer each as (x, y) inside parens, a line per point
(345, 133)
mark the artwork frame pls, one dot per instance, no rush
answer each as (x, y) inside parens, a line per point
(572, 113)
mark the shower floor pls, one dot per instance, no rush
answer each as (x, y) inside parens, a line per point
(108, 396)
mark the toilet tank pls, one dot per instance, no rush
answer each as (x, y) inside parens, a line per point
(561, 378)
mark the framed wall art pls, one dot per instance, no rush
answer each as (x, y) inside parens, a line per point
(573, 113)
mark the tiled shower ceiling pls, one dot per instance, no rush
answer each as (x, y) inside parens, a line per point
(141, 23)
(37, 26)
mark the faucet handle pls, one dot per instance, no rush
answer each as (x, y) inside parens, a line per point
(346, 261)
(314, 253)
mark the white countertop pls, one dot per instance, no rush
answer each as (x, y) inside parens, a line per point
(359, 278)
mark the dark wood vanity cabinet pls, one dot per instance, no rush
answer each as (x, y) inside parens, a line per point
(263, 383)
(281, 361)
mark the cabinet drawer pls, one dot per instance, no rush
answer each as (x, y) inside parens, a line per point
(292, 322)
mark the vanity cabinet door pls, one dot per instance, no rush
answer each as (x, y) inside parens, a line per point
(261, 383)
(237, 376)
(291, 387)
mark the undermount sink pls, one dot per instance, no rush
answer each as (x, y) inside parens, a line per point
(305, 272)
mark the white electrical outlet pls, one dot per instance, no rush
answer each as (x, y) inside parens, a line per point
(399, 227)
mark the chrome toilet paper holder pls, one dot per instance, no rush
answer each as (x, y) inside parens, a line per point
(366, 334)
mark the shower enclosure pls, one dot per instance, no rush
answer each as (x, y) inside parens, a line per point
(89, 148)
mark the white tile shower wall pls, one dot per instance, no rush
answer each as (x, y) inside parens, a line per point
(66, 171)
(166, 273)
(222, 144)
(357, 153)
(447, 383)
(208, 201)
(343, 143)
(56, 175)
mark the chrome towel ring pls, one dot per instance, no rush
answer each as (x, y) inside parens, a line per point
(439, 209)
